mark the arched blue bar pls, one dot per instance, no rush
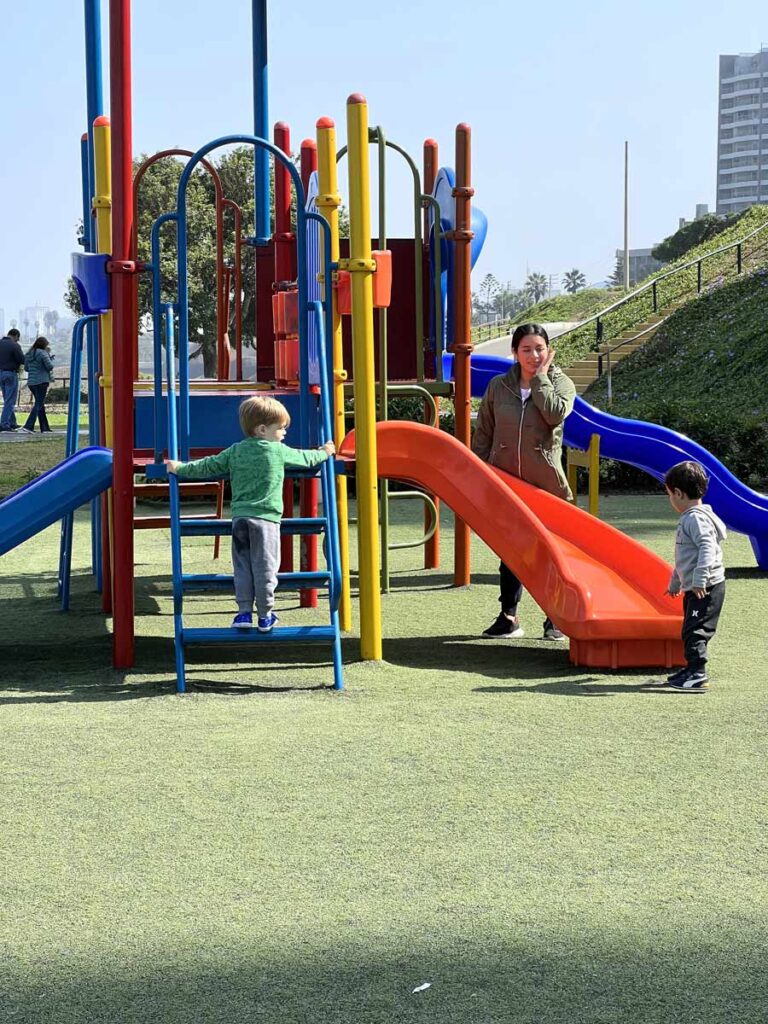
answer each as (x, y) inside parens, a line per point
(301, 218)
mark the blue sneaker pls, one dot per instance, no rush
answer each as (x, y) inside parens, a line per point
(243, 620)
(265, 625)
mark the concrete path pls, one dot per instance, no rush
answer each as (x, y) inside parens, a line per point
(501, 346)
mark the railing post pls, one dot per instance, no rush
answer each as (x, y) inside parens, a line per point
(655, 298)
(698, 277)
(738, 258)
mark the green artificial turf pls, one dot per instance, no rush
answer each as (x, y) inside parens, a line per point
(542, 844)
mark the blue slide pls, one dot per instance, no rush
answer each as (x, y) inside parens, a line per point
(49, 498)
(653, 449)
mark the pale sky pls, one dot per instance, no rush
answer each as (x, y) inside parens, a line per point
(551, 91)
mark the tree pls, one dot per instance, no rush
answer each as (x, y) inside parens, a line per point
(690, 235)
(489, 289)
(536, 286)
(51, 319)
(157, 195)
(573, 280)
(617, 277)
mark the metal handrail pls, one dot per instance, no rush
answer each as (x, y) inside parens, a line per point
(653, 284)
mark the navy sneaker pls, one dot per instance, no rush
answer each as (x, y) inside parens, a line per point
(265, 625)
(504, 628)
(692, 680)
(676, 676)
(243, 620)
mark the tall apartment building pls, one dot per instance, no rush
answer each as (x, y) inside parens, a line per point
(742, 131)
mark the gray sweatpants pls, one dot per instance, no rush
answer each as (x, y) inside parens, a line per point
(256, 559)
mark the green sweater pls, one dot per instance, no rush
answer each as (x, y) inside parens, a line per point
(256, 469)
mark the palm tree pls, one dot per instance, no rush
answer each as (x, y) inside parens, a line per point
(536, 286)
(573, 280)
(51, 318)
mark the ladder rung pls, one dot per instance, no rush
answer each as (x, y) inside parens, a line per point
(285, 580)
(206, 527)
(289, 634)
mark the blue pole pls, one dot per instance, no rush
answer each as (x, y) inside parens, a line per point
(86, 188)
(93, 83)
(260, 122)
(94, 109)
(73, 430)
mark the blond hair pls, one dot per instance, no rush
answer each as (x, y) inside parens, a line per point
(262, 411)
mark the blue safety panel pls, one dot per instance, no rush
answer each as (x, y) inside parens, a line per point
(214, 419)
(89, 272)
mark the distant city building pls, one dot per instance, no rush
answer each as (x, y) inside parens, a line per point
(641, 264)
(742, 122)
(702, 210)
(32, 322)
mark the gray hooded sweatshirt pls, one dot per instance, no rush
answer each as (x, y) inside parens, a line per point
(698, 555)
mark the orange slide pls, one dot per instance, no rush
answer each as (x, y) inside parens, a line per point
(604, 590)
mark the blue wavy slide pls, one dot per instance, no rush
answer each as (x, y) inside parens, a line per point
(51, 496)
(652, 448)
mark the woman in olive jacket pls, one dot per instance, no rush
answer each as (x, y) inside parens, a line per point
(38, 363)
(520, 429)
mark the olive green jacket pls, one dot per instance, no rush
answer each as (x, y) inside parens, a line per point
(526, 438)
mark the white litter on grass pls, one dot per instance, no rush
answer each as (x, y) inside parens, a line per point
(422, 988)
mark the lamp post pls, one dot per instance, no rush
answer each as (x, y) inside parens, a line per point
(626, 215)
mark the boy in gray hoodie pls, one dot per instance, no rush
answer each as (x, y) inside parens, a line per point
(698, 573)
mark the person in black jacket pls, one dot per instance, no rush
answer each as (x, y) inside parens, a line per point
(11, 362)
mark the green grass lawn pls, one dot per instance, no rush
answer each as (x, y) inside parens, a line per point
(543, 844)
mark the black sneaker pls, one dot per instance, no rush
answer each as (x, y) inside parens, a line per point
(690, 681)
(504, 627)
(551, 632)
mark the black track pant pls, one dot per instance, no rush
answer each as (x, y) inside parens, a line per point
(700, 622)
(511, 590)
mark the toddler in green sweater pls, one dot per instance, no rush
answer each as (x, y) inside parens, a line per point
(256, 468)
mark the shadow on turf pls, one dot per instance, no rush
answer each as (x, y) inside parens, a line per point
(60, 671)
(746, 573)
(544, 662)
(580, 978)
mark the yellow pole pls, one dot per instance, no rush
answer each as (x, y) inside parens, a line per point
(328, 202)
(594, 475)
(361, 267)
(102, 204)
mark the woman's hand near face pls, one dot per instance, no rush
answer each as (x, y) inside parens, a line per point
(544, 368)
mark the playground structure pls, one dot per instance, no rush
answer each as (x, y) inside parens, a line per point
(600, 587)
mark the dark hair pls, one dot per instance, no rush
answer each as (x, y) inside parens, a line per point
(13, 333)
(688, 477)
(40, 342)
(525, 331)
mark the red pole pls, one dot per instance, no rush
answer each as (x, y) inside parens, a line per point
(308, 501)
(122, 305)
(430, 158)
(237, 226)
(462, 341)
(284, 239)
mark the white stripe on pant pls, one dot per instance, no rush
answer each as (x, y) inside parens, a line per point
(255, 559)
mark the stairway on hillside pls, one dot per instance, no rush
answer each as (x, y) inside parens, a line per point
(585, 371)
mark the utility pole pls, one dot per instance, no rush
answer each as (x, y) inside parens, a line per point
(626, 215)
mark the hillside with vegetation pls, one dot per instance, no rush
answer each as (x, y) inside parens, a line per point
(715, 271)
(577, 306)
(705, 374)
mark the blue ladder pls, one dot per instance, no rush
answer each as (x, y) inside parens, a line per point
(326, 525)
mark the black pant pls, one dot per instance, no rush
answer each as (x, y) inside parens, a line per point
(511, 590)
(38, 409)
(700, 622)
